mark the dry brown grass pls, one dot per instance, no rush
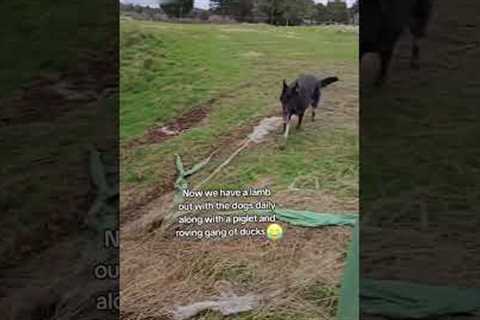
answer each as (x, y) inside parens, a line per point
(303, 269)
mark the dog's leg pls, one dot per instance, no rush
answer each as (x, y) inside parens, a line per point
(422, 13)
(414, 59)
(300, 118)
(286, 120)
(287, 128)
(385, 57)
(286, 116)
(315, 101)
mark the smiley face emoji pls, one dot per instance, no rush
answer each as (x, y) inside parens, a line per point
(274, 231)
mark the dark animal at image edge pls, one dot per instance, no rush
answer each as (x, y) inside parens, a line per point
(299, 95)
(382, 23)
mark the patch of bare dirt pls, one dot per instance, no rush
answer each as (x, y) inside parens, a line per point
(179, 125)
(148, 218)
(136, 201)
(48, 96)
(182, 123)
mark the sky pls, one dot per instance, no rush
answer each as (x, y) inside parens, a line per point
(198, 3)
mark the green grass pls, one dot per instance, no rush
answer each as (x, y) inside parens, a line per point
(168, 69)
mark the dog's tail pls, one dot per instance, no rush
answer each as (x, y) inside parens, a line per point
(328, 80)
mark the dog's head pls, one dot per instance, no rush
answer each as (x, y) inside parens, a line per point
(289, 98)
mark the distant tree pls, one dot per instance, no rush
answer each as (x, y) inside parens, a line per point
(176, 8)
(355, 7)
(286, 12)
(220, 6)
(270, 9)
(243, 9)
(321, 13)
(204, 15)
(309, 9)
(239, 9)
(354, 12)
(294, 12)
(338, 11)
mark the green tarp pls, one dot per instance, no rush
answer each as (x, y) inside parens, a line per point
(348, 307)
(403, 300)
(392, 299)
(313, 219)
(348, 304)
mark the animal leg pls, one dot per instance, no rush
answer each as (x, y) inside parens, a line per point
(287, 128)
(385, 57)
(286, 125)
(286, 119)
(315, 101)
(300, 118)
(414, 59)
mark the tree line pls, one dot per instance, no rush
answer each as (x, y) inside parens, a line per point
(286, 12)
(275, 12)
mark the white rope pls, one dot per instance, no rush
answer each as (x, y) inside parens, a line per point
(257, 136)
(225, 163)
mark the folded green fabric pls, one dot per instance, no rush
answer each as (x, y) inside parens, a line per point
(313, 219)
(348, 306)
(393, 299)
(348, 302)
(404, 300)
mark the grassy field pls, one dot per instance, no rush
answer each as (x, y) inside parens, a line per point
(216, 83)
(235, 72)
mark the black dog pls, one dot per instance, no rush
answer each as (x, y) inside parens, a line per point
(297, 97)
(383, 21)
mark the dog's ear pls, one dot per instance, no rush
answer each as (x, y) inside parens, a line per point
(285, 86)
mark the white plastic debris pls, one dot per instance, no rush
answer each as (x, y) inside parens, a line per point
(227, 305)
